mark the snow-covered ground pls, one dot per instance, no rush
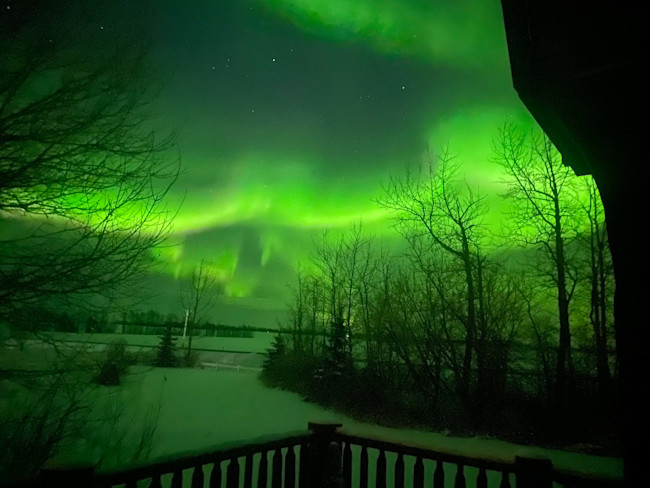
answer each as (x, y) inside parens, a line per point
(202, 408)
(189, 409)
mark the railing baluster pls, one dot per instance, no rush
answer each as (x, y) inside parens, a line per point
(418, 473)
(363, 468)
(155, 481)
(481, 479)
(177, 479)
(439, 475)
(215, 475)
(263, 471)
(197, 476)
(276, 476)
(303, 470)
(505, 480)
(460, 476)
(399, 471)
(381, 470)
(248, 471)
(347, 465)
(232, 478)
(290, 468)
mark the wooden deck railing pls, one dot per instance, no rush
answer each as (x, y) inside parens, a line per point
(399, 465)
(391, 461)
(324, 456)
(271, 462)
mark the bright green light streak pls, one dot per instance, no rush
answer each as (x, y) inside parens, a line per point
(469, 133)
(219, 262)
(275, 190)
(287, 223)
(238, 288)
(450, 32)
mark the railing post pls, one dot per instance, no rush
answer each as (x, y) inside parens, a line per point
(324, 464)
(533, 472)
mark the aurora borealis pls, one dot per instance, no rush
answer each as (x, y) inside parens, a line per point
(291, 116)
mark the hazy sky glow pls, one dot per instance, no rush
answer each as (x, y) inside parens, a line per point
(292, 113)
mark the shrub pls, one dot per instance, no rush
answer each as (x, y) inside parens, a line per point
(116, 363)
(116, 353)
(166, 353)
(109, 375)
(276, 352)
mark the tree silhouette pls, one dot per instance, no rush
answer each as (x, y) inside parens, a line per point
(432, 211)
(275, 352)
(83, 174)
(541, 187)
(338, 360)
(166, 352)
(198, 295)
(600, 278)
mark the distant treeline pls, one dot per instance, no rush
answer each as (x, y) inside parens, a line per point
(132, 322)
(203, 330)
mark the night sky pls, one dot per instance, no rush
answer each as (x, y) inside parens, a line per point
(291, 114)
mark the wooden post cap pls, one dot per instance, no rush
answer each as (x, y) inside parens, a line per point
(323, 427)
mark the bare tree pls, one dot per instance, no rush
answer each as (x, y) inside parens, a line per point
(377, 294)
(198, 296)
(299, 313)
(501, 315)
(373, 266)
(308, 314)
(417, 332)
(600, 283)
(542, 329)
(329, 261)
(83, 178)
(357, 268)
(83, 174)
(541, 188)
(430, 206)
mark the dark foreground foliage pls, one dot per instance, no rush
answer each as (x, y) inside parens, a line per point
(387, 396)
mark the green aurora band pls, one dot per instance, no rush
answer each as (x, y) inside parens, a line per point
(450, 32)
(295, 113)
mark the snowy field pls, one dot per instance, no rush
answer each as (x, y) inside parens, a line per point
(234, 353)
(181, 409)
(201, 408)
